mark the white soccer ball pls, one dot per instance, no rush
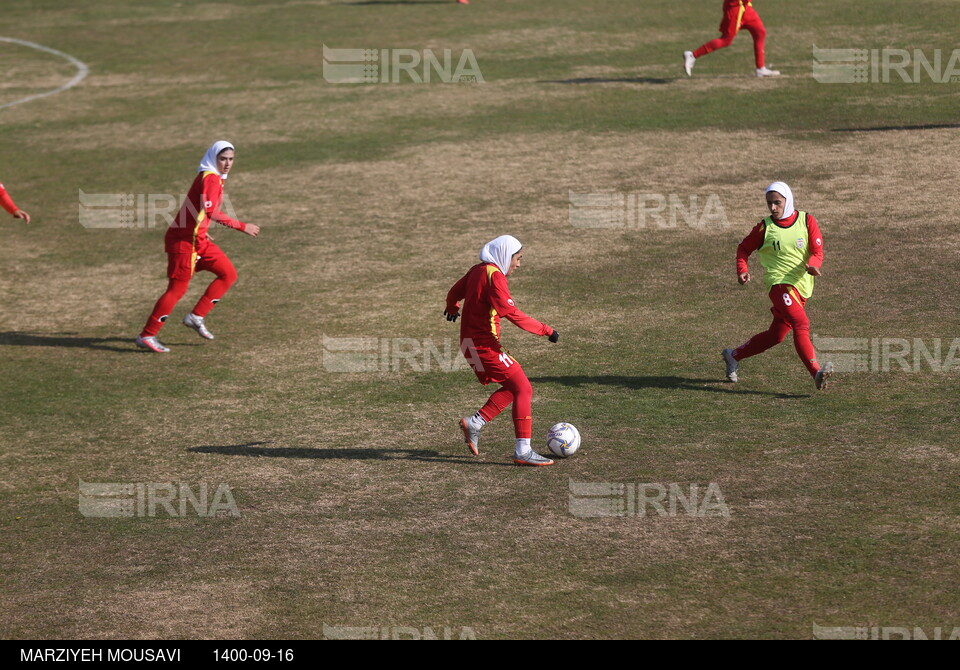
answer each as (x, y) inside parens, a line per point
(563, 440)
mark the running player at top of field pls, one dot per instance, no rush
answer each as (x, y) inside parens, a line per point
(737, 14)
(7, 203)
(486, 298)
(790, 248)
(189, 248)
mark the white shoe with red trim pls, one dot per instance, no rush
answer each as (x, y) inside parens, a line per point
(195, 322)
(152, 343)
(471, 435)
(531, 458)
(822, 379)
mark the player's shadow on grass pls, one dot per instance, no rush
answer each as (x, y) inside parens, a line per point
(75, 340)
(668, 382)
(883, 129)
(257, 450)
(609, 80)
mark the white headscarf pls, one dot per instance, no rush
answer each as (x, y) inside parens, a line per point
(209, 162)
(500, 251)
(785, 191)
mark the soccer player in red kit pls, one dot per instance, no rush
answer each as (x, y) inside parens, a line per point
(190, 249)
(486, 298)
(7, 203)
(737, 14)
(790, 248)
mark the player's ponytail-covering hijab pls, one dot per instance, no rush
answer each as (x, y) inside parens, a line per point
(209, 162)
(500, 251)
(785, 191)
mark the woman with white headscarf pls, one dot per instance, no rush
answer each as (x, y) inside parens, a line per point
(790, 248)
(486, 298)
(189, 248)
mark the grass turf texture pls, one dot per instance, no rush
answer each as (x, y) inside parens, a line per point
(359, 504)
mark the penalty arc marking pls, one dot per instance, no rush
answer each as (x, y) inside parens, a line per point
(82, 71)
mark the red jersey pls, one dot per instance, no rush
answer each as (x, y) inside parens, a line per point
(736, 4)
(754, 240)
(6, 201)
(189, 229)
(486, 298)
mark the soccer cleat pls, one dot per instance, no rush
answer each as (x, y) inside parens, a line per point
(152, 343)
(191, 320)
(732, 364)
(531, 458)
(688, 61)
(823, 375)
(471, 436)
(766, 72)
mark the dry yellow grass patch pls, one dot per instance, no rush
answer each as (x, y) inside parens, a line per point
(221, 608)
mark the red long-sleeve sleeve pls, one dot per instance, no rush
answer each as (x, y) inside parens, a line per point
(816, 242)
(503, 303)
(212, 197)
(456, 293)
(750, 243)
(6, 201)
(486, 298)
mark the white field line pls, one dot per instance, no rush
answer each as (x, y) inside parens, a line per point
(82, 70)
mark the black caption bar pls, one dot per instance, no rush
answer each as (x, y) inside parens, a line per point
(160, 652)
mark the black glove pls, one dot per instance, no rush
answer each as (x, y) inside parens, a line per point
(451, 317)
(554, 336)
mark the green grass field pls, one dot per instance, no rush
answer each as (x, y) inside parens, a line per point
(359, 505)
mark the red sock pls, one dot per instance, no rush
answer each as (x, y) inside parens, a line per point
(760, 342)
(176, 288)
(516, 390)
(804, 347)
(226, 276)
(713, 45)
(211, 297)
(497, 402)
(522, 397)
(759, 40)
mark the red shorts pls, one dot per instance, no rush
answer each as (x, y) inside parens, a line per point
(788, 304)
(737, 18)
(182, 264)
(490, 365)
